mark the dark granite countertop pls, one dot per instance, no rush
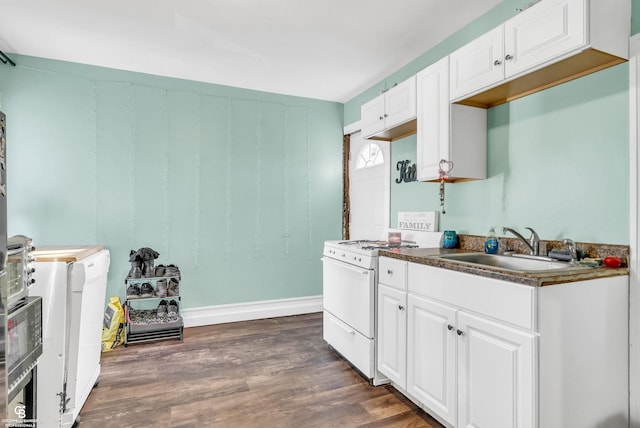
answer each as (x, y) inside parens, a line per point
(430, 257)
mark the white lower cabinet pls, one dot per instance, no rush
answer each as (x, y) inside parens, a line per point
(392, 334)
(431, 356)
(453, 354)
(496, 374)
(483, 353)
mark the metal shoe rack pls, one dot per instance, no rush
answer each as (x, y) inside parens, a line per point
(142, 322)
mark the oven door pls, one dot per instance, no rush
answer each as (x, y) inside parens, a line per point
(348, 294)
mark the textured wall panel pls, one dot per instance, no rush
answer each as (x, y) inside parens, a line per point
(217, 179)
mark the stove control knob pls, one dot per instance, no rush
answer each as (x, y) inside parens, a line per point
(359, 259)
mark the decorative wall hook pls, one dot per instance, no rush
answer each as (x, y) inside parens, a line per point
(444, 168)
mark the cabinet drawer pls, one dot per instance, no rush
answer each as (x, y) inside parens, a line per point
(501, 300)
(392, 272)
(347, 341)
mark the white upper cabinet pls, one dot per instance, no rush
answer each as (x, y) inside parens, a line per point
(455, 133)
(400, 103)
(550, 43)
(478, 64)
(554, 28)
(392, 114)
(372, 116)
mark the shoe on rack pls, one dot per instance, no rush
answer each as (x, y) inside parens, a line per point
(174, 288)
(148, 271)
(159, 271)
(162, 309)
(136, 265)
(172, 270)
(136, 270)
(161, 288)
(133, 291)
(146, 290)
(172, 308)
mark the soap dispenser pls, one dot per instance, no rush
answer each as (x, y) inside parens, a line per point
(491, 243)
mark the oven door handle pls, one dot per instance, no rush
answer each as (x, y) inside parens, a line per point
(349, 331)
(345, 265)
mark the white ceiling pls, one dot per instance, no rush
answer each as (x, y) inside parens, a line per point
(329, 49)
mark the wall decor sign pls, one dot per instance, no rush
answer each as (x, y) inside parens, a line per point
(407, 171)
(426, 221)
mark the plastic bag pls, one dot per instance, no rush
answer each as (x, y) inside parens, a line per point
(113, 325)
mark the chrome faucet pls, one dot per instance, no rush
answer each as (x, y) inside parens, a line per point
(533, 243)
(573, 253)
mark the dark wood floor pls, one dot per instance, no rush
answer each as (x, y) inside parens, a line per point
(269, 373)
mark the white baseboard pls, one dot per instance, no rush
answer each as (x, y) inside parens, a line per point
(220, 314)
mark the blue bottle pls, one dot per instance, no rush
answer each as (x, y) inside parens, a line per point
(491, 243)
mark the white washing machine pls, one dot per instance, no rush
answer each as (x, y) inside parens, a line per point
(72, 282)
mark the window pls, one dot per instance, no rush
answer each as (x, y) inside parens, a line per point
(370, 155)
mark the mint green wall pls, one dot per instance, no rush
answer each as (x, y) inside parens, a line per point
(635, 16)
(238, 188)
(556, 160)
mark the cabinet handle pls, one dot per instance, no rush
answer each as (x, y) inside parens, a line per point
(389, 272)
(401, 307)
(497, 62)
(381, 117)
(449, 327)
(386, 115)
(459, 332)
(508, 57)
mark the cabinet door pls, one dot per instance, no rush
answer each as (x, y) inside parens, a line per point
(497, 368)
(431, 356)
(392, 334)
(400, 103)
(372, 116)
(543, 33)
(433, 119)
(478, 64)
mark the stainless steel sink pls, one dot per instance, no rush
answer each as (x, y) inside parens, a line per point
(510, 263)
